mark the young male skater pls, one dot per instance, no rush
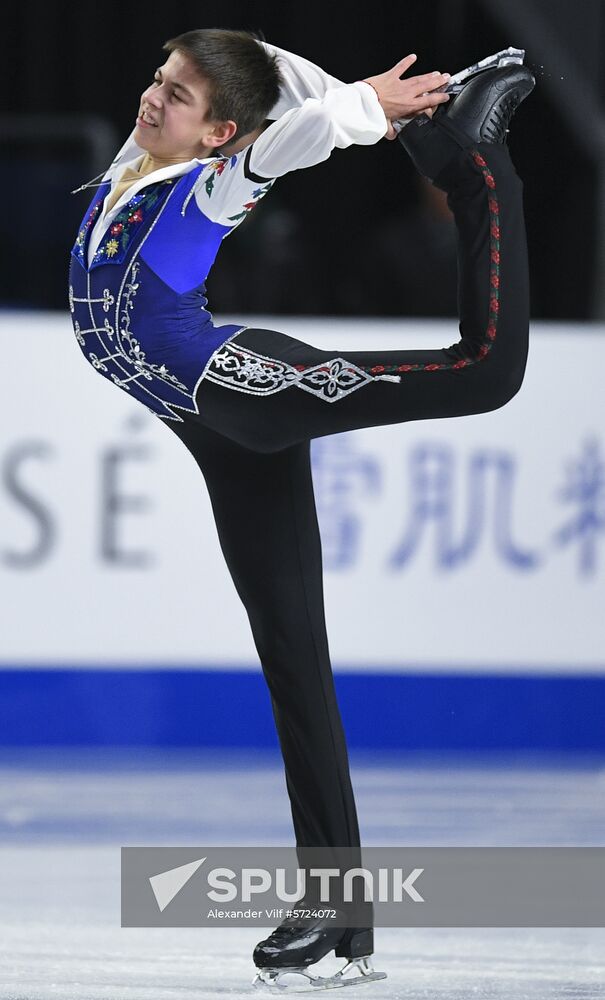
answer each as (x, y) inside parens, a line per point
(246, 402)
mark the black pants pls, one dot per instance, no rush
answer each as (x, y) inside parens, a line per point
(254, 453)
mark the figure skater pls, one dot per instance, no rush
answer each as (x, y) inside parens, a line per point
(223, 117)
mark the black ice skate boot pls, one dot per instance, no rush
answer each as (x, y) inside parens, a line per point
(481, 112)
(284, 957)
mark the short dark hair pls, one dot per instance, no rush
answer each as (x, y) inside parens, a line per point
(243, 78)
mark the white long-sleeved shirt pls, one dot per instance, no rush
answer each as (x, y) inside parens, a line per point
(315, 114)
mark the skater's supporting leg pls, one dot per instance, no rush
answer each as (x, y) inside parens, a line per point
(480, 372)
(265, 515)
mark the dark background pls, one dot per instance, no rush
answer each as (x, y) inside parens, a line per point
(356, 235)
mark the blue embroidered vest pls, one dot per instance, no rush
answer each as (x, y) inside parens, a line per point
(139, 311)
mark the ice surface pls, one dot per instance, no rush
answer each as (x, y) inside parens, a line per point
(64, 817)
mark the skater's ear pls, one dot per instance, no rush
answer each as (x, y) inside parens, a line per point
(218, 134)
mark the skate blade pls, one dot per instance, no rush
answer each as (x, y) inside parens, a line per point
(272, 980)
(505, 57)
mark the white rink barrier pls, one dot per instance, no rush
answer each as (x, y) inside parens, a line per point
(470, 544)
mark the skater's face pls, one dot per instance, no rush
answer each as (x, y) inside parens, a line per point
(173, 120)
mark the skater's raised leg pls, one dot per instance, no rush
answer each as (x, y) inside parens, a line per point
(481, 372)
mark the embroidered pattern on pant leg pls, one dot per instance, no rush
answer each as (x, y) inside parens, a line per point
(239, 368)
(244, 370)
(333, 379)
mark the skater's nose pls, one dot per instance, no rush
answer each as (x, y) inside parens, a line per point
(153, 97)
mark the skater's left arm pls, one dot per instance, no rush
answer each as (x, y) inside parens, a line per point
(352, 113)
(228, 189)
(300, 79)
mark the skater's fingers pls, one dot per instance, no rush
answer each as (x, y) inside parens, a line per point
(390, 133)
(404, 64)
(400, 98)
(429, 81)
(429, 101)
(430, 84)
(432, 100)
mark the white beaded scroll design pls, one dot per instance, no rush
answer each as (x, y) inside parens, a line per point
(239, 368)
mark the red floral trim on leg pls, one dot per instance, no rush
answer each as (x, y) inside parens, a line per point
(494, 284)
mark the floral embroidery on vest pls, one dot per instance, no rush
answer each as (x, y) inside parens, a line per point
(127, 223)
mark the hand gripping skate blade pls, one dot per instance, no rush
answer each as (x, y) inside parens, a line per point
(505, 57)
(288, 980)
